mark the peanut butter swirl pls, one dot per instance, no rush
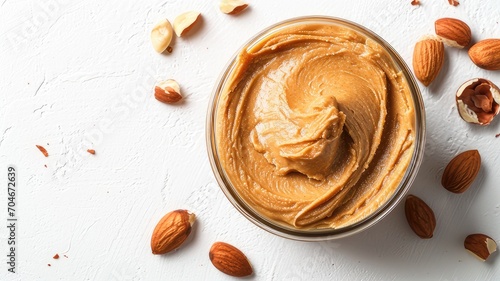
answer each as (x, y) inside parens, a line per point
(315, 126)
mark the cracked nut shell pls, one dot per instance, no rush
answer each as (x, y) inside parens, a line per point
(478, 101)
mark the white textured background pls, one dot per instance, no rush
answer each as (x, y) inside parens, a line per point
(79, 74)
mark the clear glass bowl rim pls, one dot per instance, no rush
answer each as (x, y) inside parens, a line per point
(320, 234)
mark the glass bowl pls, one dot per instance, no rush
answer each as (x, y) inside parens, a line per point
(288, 231)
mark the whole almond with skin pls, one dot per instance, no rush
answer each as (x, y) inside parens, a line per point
(461, 171)
(171, 231)
(486, 54)
(480, 245)
(229, 260)
(453, 32)
(420, 217)
(428, 58)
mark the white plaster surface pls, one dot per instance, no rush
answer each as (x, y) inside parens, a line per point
(79, 74)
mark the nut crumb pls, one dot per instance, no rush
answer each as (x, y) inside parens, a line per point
(453, 2)
(49, 264)
(65, 256)
(43, 150)
(415, 2)
(91, 151)
(169, 49)
(45, 165)
(56, 256)
(497, 135)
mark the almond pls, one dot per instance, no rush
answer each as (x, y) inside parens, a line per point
(184, 22)
(161, 36)
(428, 58)
(486, 54)
(229, 260)
(461, 171)
(453, 32)
(168, 91)
(420, 217)
(232, 7)
(171, 231)
(480, 245)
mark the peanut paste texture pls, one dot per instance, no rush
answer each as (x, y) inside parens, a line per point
(315, 126)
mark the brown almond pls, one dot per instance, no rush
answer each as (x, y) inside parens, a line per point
(486, 54)
(171, 231)
(453, 32)
(480, 245)
(230, 260)
(461, 171)
(168, 91)
(428, 58)
(420, 217)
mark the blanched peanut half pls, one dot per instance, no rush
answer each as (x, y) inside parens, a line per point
(184, 22)
(161, 35)
(232, 7)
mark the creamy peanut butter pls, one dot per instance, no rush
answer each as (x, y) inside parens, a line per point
(315, 126)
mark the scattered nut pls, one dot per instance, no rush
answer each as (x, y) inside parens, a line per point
(453, 2)
(161, 36)
(428, 58)
(486, 54)
(171, 231)
(91, 151)
(43, 150)
(229, 260)
(480, 245)
(420, 217)
(453, 32)
(168, 91)
(232, 7)
(184, 22)
(415, 2)
(478, 101)
(56, 256)
(461, 171)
